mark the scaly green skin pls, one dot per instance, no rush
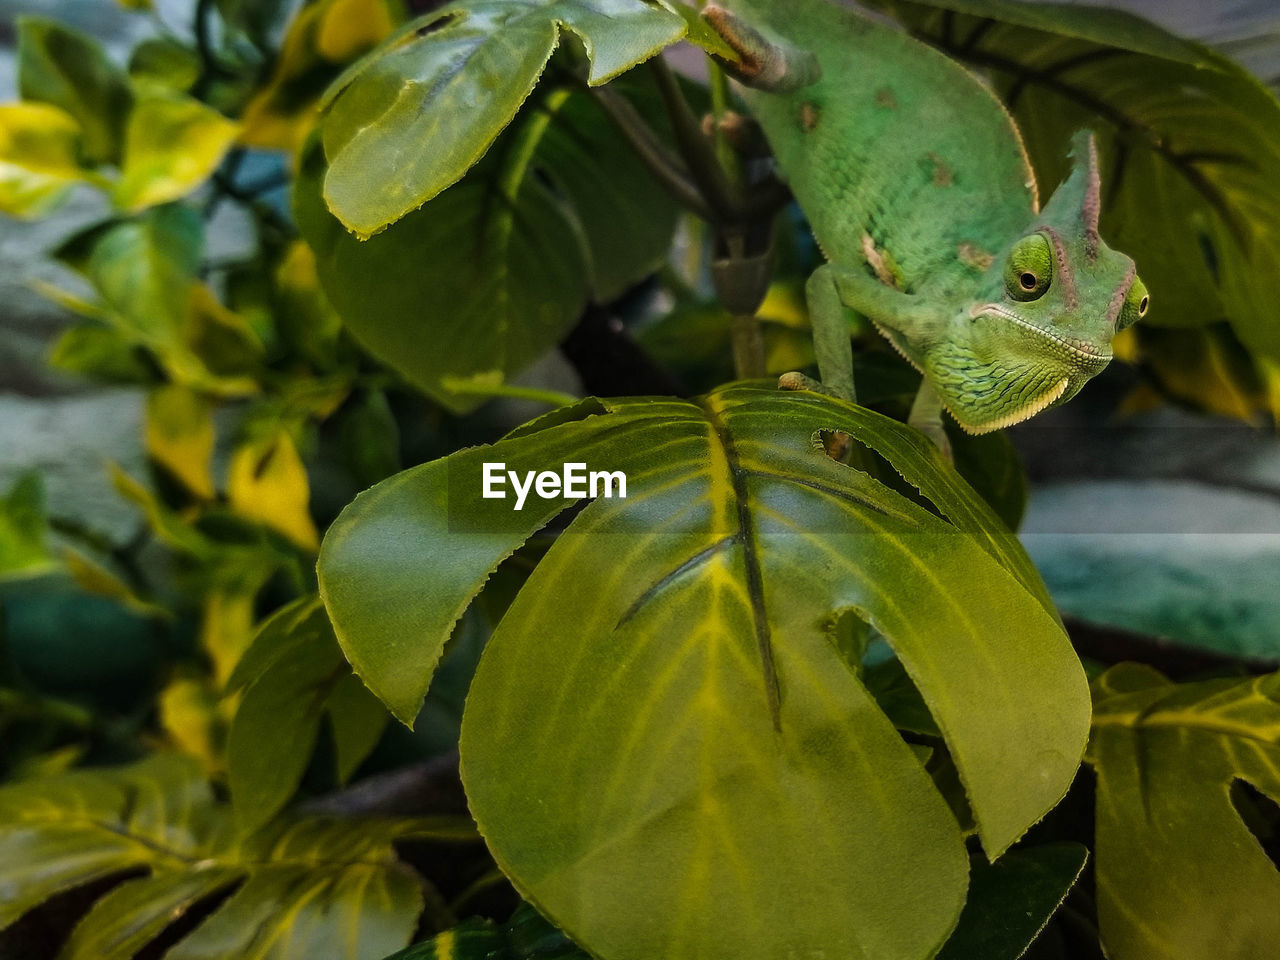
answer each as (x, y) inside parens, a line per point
(918, 189)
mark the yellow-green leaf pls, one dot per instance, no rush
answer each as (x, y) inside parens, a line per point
(39, 158)
(661, 710)
(94, 578)
(172, 145)
(24, 530)
(267, 482)
(69, 69)
(196, 723)
(299, 888)
(226, 630)
(166, 63)
(142, 269)
(322, 38)
(1179, 874)
(179, 436)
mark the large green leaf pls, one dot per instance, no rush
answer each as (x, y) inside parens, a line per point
(293, 677)
(410, 119)
(1011, 901)
(1180, 876)
(68, 69)
(306, 888)
(474, 287)
(626, 217)
(1189, 141)
(663, 746)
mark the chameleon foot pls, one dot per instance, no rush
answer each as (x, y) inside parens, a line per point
(937, 434)
(762, 64)
(794, 380)
(743, 133)
(926, 416)
(836, 443)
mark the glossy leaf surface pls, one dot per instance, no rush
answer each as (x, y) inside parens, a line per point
(492, 273)
(1011, 900)
(1180, 875)
(663, 697)
(293, 677)
(454, 79)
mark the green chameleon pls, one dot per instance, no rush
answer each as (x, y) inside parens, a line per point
(919, 192)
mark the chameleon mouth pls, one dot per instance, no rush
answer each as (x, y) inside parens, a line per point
(1087, 354)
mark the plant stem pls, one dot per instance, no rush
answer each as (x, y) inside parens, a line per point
(668, 169)
(698, 152)
(210, 65)
(515, 162)
(224, 178)
(728, 159)
(748, 348)
(266, 214)
(478, 886)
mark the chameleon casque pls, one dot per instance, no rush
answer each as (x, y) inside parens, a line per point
(918, 189)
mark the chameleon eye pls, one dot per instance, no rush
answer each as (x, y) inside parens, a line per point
(1030, 268)
(1135, 305)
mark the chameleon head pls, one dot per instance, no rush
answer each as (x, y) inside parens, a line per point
(1048, 309)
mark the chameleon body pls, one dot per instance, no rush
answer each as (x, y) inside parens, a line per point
(921, 197)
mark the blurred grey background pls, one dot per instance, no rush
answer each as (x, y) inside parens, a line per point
(1164, 523)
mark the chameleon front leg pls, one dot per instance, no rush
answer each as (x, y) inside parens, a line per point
(901, 316)
(926, 416)
(763, 64)
(908, 322)
(831, 344)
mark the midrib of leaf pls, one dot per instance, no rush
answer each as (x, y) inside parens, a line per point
(498, 215)
(714, 408)
(158, 851)
(227, 859)
(1189, 720)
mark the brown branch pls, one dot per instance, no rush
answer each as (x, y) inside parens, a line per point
(431, 787)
